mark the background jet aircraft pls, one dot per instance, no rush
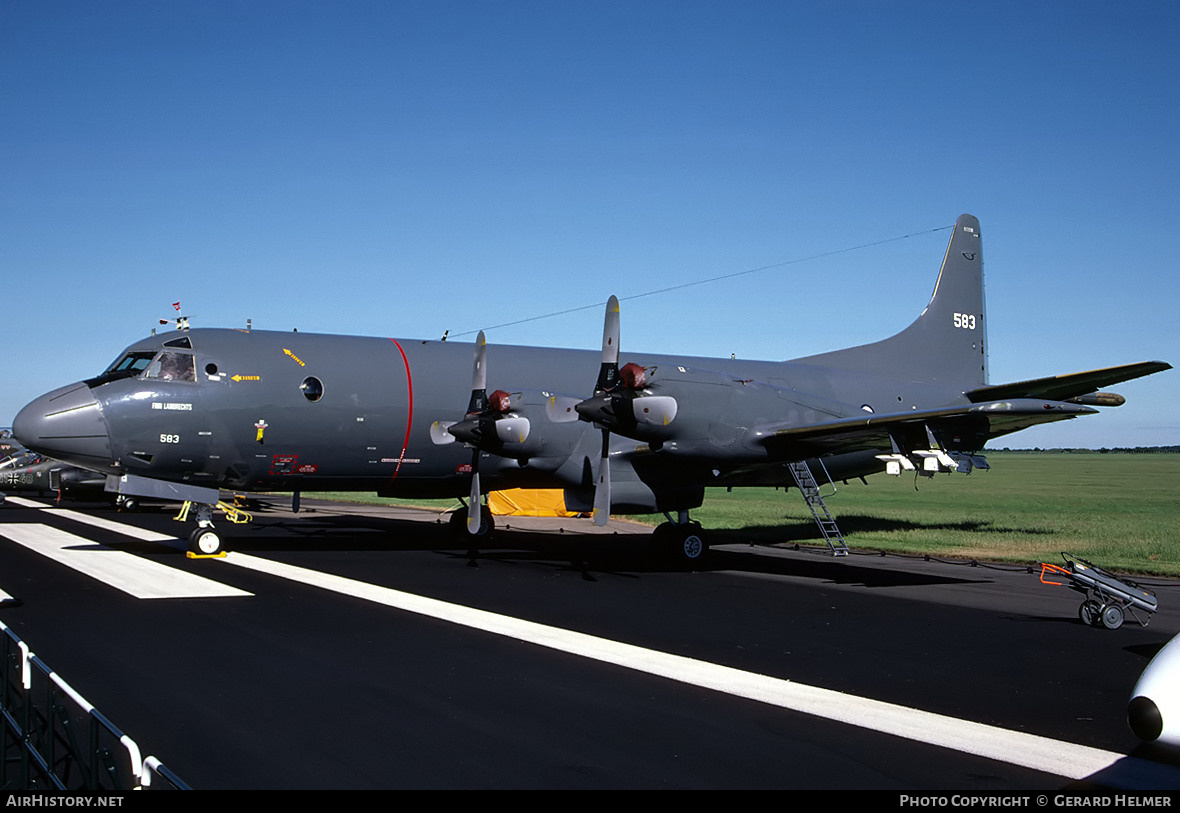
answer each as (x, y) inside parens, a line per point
(26, 471)
(186, 413)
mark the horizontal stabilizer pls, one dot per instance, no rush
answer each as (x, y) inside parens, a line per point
(1064, 387)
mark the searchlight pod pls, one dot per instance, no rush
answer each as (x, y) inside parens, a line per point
(1154, 710)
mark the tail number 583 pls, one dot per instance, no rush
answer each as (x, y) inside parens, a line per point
(965, 321)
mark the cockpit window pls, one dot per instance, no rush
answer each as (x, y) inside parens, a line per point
(131, 364)
(166, 365)
(20, 460)
(172, 366)
(128, 366)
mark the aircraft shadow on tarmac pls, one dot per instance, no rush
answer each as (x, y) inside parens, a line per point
(318, 528)
(793, 529)
(589, 552)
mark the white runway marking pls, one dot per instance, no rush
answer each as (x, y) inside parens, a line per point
(110, 525)
(25, 502)
(132, 574)
(1013, 747)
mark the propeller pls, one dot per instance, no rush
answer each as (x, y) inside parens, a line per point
(488, 426)
(608, 380)
(622, 404)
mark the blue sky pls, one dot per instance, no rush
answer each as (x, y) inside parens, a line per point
(408, 168)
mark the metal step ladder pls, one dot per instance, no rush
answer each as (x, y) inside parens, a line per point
(815, 501)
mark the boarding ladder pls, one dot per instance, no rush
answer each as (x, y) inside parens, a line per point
(815, 502)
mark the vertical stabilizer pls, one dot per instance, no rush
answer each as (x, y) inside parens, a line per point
(947, 343)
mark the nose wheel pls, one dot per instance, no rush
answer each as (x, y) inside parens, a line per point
(205, 542)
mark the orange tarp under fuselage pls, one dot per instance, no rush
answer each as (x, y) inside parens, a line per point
(529, 502)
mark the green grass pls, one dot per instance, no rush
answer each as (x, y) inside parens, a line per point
(1116, 510)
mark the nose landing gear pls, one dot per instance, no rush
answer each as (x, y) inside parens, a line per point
(204, 541)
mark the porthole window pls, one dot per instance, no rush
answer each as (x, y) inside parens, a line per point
(313, 388)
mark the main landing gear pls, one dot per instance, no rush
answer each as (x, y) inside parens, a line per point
(458, 525)
(681, 541)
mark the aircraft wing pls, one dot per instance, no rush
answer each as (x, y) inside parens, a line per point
(1064, 387)
(966, 426)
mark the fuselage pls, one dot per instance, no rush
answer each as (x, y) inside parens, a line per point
(282, 411)
(184, 414)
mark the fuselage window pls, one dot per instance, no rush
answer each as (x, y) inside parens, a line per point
(313, 388)
(172, 366)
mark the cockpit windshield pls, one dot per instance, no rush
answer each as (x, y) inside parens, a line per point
(167, 365)
(20, 460)
(131, 364)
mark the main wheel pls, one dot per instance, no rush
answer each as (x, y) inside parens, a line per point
(683, 545)
(205, 541)
(458, 525)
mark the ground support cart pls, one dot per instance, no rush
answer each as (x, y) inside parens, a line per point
(1108, 599)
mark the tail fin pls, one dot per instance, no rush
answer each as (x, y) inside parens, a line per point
(947, 343)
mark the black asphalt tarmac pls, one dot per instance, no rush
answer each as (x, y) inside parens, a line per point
(328, 668)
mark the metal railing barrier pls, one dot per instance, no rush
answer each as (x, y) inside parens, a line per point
(55, 739)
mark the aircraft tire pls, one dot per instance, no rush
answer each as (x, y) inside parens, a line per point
(683, 545)
(1112, 616)
(458, 525)
(205, 542)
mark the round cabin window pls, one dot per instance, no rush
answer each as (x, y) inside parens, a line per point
(312, 388)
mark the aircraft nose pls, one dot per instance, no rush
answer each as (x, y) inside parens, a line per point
(65, 424)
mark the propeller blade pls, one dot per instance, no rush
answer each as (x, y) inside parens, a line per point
(608, 374)
(473, 509)
(602, 488)
(479, 377)
(439, 435)
(478, 402)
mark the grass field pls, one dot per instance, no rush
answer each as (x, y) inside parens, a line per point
(1120, 511)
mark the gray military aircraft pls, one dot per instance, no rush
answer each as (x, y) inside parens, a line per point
(23, 471)
(27, 472)
(187, 413)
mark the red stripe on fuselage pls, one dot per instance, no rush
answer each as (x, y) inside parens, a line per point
(409, 407)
